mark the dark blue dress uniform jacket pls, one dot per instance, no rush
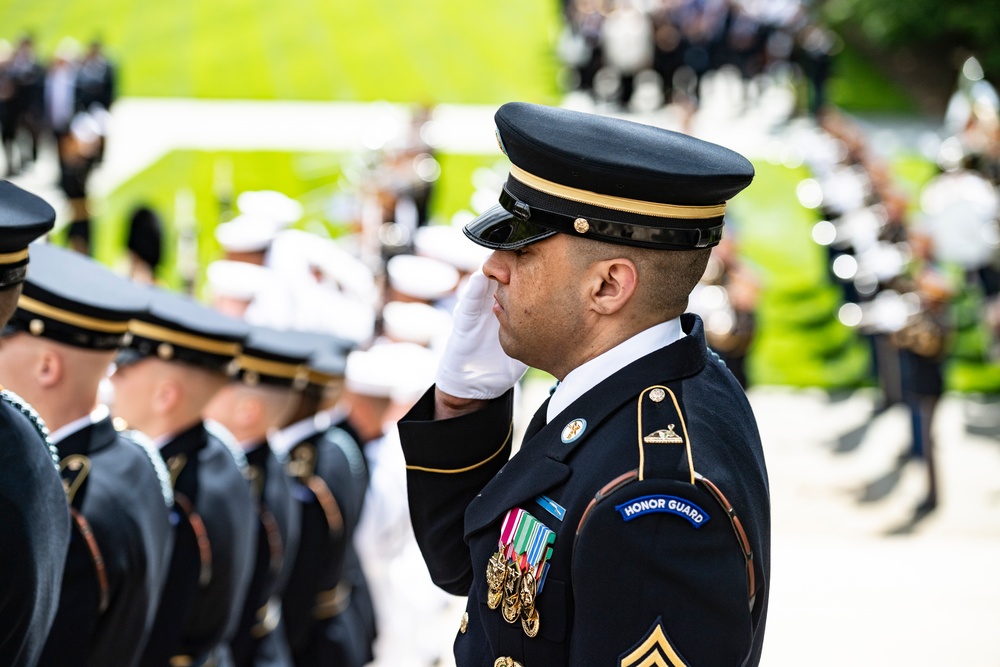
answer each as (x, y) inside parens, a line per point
(617, 590)
(260, 637)
(326, 560)
(122, 502)
(35, 520)
(200, 605)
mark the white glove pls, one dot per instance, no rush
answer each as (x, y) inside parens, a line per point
(473, 364)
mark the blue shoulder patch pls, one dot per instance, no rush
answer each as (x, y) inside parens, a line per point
(663, 504)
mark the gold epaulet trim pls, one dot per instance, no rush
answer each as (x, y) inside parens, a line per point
(510, 432)
(680, 416)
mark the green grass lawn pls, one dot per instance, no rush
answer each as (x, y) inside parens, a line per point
(430, 51)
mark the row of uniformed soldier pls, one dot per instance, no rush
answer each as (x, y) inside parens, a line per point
(185, 543)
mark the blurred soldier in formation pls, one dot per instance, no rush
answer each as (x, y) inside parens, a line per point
(72, 317)
(29, 102)
(327, 602)
(726, 299)
(180, 355)
(253, 405)
(33, 509)
(8, 108)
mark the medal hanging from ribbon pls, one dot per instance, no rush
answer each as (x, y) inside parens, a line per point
(516, 573)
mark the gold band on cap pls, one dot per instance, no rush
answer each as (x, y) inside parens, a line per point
(315, 377)
(199, 343)
(278, 369)
(13, 257)
(617, 203)
(36, 307)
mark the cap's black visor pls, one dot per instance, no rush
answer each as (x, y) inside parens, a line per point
(500, 229)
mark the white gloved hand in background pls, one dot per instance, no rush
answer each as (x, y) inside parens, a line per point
(473, 364)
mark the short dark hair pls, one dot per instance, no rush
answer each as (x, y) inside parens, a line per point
(666, 277)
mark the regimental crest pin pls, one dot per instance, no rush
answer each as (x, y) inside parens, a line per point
(574, 430)
(665, 436)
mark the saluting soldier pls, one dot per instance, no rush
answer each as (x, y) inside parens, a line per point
(72, 317)
(330, 620)
(253, 405)
(180, 355)
(33, 509)
(632, 526)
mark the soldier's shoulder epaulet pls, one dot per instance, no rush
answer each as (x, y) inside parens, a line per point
(144, 442)
(219, 431)
(22, 406)
(348, 445)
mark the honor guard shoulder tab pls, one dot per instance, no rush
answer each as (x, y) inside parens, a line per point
(162, 474)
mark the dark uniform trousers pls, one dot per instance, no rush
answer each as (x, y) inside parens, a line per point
(260, 638)
(647, 567)
(118, 553)
(35, 520)
(214, 543)
(330, 618)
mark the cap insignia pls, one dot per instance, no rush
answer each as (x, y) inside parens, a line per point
(574, 430)
(665, 436)
(581, 225)
(36, 327)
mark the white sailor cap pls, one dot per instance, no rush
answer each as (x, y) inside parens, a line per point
(246, 233)
(449, 244)
(415, 322)
(422, 278)
(236, 280)
(391, 370)
(270, 204)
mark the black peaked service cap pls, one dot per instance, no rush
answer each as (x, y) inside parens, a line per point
(75, 300)
(607, 179)
(23, 218)
(177, 328)
(274, 357)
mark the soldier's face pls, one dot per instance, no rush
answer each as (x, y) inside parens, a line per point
(539, 303)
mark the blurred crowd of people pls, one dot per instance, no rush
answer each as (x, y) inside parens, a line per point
(905, 264)
(67, 101)
(646, 53)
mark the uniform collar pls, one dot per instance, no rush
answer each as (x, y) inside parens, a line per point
(598, 369)
(284, 440)
(540, 464)
(188, 441)
(63, 432)
(91, 434)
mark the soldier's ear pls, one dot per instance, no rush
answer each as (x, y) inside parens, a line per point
(614, 283)
(50, 368)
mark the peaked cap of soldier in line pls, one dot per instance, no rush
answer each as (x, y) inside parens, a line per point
(33, 508)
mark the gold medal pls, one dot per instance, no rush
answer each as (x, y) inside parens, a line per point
(496, 573)
(530, 623)
(512, 593)
(528, 587)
